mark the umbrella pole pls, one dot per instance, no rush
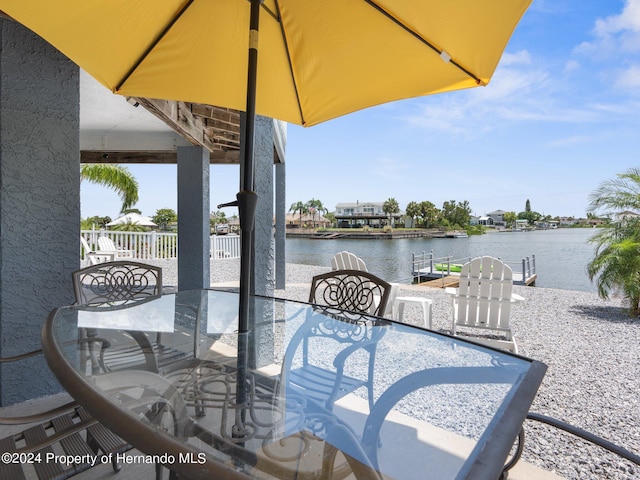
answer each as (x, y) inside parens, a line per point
(247, 198)
(247, 201)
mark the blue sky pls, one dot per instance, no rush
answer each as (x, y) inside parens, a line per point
(560, 115)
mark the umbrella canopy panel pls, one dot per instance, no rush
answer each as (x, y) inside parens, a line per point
(317, 60)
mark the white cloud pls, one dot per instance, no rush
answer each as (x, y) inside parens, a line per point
(629, 19)
(615, 35)
(571, 66)
(629, 78)
(523, 57)
(536, 87)
(628, 108)
(515, 93)
(389, 168)
(570, 141)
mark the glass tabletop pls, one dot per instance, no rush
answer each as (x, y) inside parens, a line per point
(306, 391)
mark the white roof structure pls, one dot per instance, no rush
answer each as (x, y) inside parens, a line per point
(134, 219)
(108, 122)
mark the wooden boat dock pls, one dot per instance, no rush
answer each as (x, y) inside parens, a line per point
(442, 282)
(434, 272)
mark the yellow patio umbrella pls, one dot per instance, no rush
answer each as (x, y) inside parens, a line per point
(317, 59)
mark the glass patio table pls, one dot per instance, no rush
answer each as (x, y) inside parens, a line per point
(308, 392)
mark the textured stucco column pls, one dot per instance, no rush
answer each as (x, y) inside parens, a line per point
(263, 251)
(39, 200)
(194, 266)
(280, 236)
(264, 269)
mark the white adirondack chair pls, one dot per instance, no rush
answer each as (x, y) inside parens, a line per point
(349, 261)
(483, 301)
(106, 245)
(95, 257)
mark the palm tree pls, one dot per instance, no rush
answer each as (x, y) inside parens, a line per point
(618, 194)
(413, 211)
(390, 207)
(116, 177)
(510, 218)
(616, 264)
(299, 207)
(315, 206)
(428, 213)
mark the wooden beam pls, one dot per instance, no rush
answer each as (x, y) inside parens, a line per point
(152, 157)
(187, 120)
(220, 114)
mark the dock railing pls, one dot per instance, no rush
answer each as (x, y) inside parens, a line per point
(426, 266)
(159, 245)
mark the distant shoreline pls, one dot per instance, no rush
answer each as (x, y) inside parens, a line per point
(373, 234)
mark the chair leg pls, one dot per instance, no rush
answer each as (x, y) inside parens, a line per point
(516, 456)
(115, 465)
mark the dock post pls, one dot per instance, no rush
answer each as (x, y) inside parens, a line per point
(431, 265)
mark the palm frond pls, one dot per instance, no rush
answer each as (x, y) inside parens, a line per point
(115, 177)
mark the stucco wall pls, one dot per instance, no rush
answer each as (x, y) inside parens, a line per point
(39, 200)
(264, 266)
(194, 269)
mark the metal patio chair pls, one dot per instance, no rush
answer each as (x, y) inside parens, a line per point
(352, 294)
(67, 428)
(116, 285)
(70, 428)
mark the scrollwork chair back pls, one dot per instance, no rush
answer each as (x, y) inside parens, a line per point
(351, 290)
(116, 282)
(338, 326)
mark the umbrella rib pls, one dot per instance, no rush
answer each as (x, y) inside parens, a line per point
(154, 43)
(286, 46)
(421, 39)
(273, 14)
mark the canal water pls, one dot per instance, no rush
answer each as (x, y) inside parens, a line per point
(561, 255)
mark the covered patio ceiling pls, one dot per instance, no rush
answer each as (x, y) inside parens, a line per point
(115, 129)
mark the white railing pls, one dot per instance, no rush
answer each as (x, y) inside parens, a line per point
(225, 246)
(144, 245)
(160, 245)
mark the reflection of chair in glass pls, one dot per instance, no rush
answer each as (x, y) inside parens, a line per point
(106, 245)
(483, 301)
(325, 381)
(491, 377)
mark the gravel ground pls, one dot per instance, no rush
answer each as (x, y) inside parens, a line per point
(591, 348)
